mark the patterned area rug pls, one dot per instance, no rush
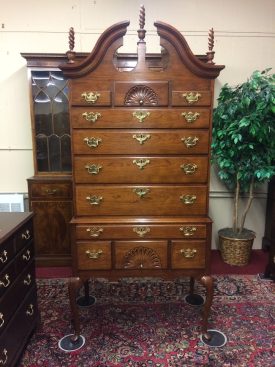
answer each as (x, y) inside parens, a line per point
(148, 324)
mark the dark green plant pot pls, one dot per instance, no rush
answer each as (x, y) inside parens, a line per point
(234, 250)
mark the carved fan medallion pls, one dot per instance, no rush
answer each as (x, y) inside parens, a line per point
(141, 257)
(141, 95)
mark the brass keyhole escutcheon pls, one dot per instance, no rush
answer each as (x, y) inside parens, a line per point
(141, 192)
(141, 231)
(141, 163)
(90, 97)
(141, 138)
(141, 115)
(94, 231)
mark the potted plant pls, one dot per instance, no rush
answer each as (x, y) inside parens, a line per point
(243, 149)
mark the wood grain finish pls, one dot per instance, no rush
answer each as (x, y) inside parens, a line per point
(141, 166)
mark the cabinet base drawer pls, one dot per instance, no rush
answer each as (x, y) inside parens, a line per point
(94, 255)
(188, 254)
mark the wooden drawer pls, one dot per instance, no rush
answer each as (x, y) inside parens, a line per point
(139, 231)
(51, 191)
(191, 98)
(95, 93)
(140, 254)
(140, 142)
(94, 255)
(6, 252)
(141, 200)
(14, 338)
(84, 117)
(188, 254)
(135, 169)
(24, 236)
(141, 94)
(14, 295)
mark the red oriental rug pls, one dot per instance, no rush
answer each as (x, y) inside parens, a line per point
(147, 323)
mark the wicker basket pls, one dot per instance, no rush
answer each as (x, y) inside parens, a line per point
(236, 251)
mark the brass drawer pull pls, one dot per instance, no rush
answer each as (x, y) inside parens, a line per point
(190, 141)
(93, 169)
(92, 142)
(90, 97)
(94, 255)
(141, 163)
(191, 97)
(51, 191)
(188, 253)
(188, 231)
(94, 231)
(26, 235)
(141, 192)
(141, 138)
(5, 357)
(4, 257)
(91, 116)
(30, 310)
(141, 231)
(28, 280)
(188, 199)
(141, 115)
(94, 200)
(27, 255)
(190, 116)
(5, 282)
(2, 321)
(189, 168)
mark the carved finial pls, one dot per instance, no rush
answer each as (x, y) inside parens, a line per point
(71, 54)
(141, 31)
(210, 53)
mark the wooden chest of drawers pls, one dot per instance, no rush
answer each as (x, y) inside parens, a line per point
(18, 303)
(140, 142)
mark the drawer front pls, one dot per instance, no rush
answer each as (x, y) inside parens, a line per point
(138, 169)
(90, 93)
(14, 338)
(14, 295)
(51, 191)
(24, 258)
(188, 118)
(141, 142)
(191, 98)
(24, 236)
(139, 231)
(188, 254)
(140, 254)
(6, 252)
(94, 255)
(141, 94)
(7, 278)
(140, 200)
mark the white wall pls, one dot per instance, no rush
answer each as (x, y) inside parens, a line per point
(244, 42)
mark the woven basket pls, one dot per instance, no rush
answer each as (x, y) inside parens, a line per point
(236, 251)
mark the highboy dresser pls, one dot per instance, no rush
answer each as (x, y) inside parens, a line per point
(140, 143)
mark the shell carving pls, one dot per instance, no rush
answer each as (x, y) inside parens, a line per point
(141, 95)
(141, 257)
